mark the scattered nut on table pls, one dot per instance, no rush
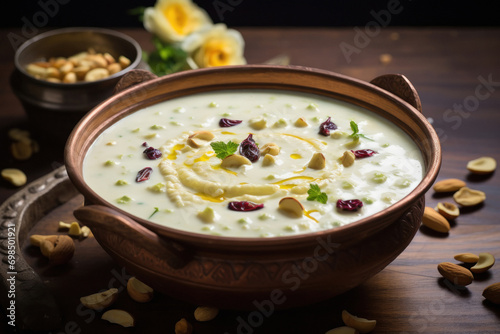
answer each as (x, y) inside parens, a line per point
(492, 293)
(469, 197)
(483, 165)
(456, 274)
(183, 327)
(205, 313)
(435, 221)
(58, 248)
(484, 262)
(15, 176)
(139, 291)
(100, 300)
(119, 317)
(448, 185)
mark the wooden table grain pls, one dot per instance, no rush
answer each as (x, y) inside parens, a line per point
(457, 74)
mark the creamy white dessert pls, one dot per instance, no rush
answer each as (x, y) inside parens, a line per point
(290, 179)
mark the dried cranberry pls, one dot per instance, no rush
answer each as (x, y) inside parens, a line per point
(226, 122)
(152, 153)
(326, 126)
(359, 154)
(145, 144)
(244, 206)
(144, 174)
(249, 149)
(349, 204)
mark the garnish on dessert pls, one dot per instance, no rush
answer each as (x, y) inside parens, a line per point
(223, 150)
(315, 194)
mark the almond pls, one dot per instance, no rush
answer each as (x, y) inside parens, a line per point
(433, 220)
(448, 185)
(205, 313)
(485, 262)
(492, 293)
(466, 257)
(291, 205)
(456, 274)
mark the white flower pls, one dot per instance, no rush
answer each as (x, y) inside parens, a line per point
(217, 46)
(173, 20)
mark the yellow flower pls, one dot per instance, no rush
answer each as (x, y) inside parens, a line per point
(173, 20)
(217, 46)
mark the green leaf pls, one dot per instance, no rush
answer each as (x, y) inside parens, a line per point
(315, 194)
(355, 129)
(166, 58)
(223, 150)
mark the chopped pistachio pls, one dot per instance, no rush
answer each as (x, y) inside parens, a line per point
(245, 220)
(347, 185)
(208, 215)
(226, 114)
(124, 200)
(213, 104)
(315, 119)
(281, 123)
(180, 110)
(157, 127)
(313, 106)
(379, 177)
(270, 177)
(266, 216)
(175, 123)
(267, 235)
(291, 228)
(111, 143)
(403, 183)
(338, 134)
(136, 130)
(110, 163)
(367, 200)
(121, 183)
(151, 136)
(386, 145)
(158, 188)
(169, 210)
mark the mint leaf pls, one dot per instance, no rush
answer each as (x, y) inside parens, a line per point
(223, 150)
(355, 129)
(315, 194)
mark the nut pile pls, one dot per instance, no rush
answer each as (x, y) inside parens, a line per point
(438, 218)
(141, 293)
(82, 67)
(461, 276)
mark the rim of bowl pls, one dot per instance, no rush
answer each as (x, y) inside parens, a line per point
(239, 243)
(61, 31)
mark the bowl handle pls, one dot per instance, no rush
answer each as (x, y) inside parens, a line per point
(132, 78)
(104, 221)
(400, 86)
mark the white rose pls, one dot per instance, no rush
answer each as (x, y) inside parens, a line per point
(217, 46)
(173, 20)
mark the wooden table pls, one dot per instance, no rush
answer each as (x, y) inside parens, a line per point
(457, 74)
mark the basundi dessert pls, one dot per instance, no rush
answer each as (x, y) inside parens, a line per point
(253, 163)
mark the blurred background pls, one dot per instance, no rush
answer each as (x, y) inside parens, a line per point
(115, 13)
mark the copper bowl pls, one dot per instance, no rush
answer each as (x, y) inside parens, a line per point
(240, 273)
(54, 108)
